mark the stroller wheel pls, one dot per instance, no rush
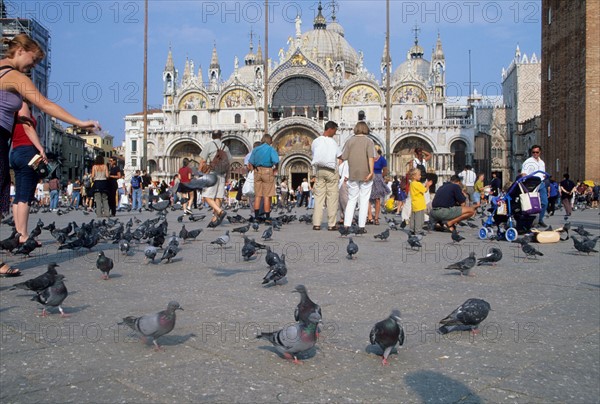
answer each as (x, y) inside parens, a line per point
(511, 234)
(483, 233)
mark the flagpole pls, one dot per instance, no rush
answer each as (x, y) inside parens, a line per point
(144, 160)
(266, 70)
(387, 84)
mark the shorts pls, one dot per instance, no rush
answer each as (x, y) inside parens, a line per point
(264, 182)
(445, 214)
(26, 178)
(217, 191)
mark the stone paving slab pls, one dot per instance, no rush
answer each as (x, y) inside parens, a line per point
(541, 342)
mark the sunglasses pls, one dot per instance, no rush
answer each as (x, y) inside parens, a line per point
(535, 152)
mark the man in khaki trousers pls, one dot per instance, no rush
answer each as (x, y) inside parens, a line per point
(325, 151)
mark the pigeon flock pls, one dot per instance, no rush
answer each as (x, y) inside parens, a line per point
(152, 237)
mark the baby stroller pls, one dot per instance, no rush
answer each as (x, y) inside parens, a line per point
(506, 212)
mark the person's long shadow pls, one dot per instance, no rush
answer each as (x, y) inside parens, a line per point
(434, 387)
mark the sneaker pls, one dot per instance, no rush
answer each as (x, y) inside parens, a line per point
(542, 224)
(361, 230)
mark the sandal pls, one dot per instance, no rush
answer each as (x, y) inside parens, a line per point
(447, 228)
(370, 221)
(10, 272)
(317, 228)
(376, 221)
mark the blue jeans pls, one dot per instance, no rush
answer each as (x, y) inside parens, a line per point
(25, 177)
(544, 201)
(136, 196)
(54, 199)
(75, 198)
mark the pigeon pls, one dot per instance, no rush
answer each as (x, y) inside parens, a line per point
(387, 333)
(582, 231)
(196, 218)
(248, 250)
(73, 245)
(414, 241)
(495, 255)
(150, 253)
(183, 232)
(10, 243)
(271, 258)
(104, 264)
(277, 272)
(267, 234)
(241, 230)
(466, 317)
(457, 238)
(255, 226)
(383, 235)
(529, 250)
(41, 282)
(161, 206)
(344, 231)
(351, 249)
(222, 240)
(254, 243)
(27, 247)
(154, 325)
(465, 265)
(170, 253)
(584, 246)
(295, 338)
(124, 247)
(53, 295)
(306, 306)
(192, 234)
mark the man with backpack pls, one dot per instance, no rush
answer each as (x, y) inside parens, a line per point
(216, 159)
(136, 191)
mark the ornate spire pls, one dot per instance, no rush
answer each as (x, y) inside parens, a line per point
(416, 52)
(250, 57)
(259, 54)
(320, 22)
(200, 79)
(186, 70)
(439, 52)
(517, 54)
(170, 66)
(333, 6)
(214, 61)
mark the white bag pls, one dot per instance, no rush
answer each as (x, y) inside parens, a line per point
(124, 200)
(248, 188)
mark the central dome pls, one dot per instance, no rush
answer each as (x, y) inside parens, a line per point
(326, 46)
(415, 67)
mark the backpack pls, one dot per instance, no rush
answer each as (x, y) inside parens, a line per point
(421, 167)
(395, 187)
(219, 163)
(135, 182)
(554, 189)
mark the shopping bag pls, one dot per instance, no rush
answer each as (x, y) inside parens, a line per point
(124, 200)
(248, 188)
(530, 201)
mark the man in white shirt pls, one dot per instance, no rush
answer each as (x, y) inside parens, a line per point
(468, 178)
(325, 153)
(530, 166)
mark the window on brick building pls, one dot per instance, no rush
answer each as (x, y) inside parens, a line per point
(134, 145)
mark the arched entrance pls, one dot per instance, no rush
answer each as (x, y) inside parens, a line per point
(404, 153)
(238, 150)
(295, 169)
(459, 150)
(184, 150)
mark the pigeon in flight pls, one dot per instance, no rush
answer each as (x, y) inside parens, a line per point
(466, 317)
(387, 333)
(154, 325)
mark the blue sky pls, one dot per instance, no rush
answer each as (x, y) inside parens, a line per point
(97, 46)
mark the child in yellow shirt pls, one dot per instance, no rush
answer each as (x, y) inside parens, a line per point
(417, 196)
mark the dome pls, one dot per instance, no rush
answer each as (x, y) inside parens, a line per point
(416, 69)
(336, 27)
(322, 44)
(246, 75)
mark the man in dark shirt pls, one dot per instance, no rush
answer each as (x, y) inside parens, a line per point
(114, 173)
(566, 193)
(448, 205)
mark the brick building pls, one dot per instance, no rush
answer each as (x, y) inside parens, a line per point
(570, 88)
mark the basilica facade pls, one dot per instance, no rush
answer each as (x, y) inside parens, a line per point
(317, 77)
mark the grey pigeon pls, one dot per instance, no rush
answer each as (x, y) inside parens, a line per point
(27, 247)
(383, 235)
(10, 243)
(495, 255)
(584, 246)
(387, 333)
(104, 264)
(466, 317)
(277, 272)
(295, 338)
(529, 250)
(150, 253)
(124, 247)
(248, 250)
(344, 231)
(306, 306)
(242, 229)
(271, 258)
(183, 232)
(464, 266)
(192, 234)
(222, 240)
(169, 253)
(255, 226)
(457, 238)
(53, 295)
(351, 249)
(267, 234)
(582, 231)
(254, 243)
(161, 206)
(41, 282)
(154, 325)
